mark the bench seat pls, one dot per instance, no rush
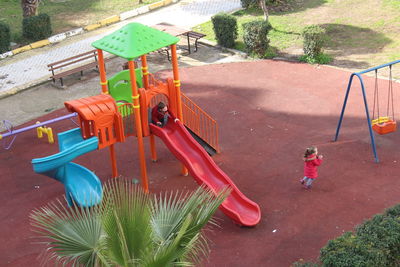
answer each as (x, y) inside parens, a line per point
(78, 63)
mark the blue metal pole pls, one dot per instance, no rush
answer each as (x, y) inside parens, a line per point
(371, 133)
(344, 107)
(379, 67)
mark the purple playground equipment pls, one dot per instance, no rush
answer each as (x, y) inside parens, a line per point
(40, 126)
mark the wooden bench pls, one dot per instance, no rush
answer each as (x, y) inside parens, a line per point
(190, 35)
(196, 36)
(165, 51)
(57, 68)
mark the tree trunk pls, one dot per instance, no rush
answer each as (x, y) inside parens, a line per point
(264, 8)
(29, 7)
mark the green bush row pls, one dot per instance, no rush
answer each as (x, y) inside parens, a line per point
(5, 37)
(34, 28)
(254, 36)
(376, 242)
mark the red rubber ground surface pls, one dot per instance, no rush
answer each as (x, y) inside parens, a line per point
(268, 113)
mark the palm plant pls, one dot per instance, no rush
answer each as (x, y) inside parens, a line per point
(129, 228)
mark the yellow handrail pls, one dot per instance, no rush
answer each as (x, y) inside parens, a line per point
(198, 121)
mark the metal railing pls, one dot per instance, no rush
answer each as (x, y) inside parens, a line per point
(199, 122)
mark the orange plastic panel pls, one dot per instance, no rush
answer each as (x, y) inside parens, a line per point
(99, 117)
(385, 128)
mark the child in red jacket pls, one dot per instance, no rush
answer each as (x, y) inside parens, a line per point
(160, 114)
(311, 161)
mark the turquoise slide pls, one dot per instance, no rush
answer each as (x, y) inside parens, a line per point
(82, 186)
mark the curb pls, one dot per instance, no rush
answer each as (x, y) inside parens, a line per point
(102, 23)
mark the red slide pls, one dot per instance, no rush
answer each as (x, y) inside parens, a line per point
(204, 170)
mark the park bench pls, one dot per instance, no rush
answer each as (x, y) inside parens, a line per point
(164, 51)
(71, 65)
(191, 34)
(196, 36)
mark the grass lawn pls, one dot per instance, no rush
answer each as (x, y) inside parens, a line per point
(362, 33)
(66, 14)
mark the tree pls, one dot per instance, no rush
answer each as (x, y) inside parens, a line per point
(129, 228)
(264, 8)
(29, 7)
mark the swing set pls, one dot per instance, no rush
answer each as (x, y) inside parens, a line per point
(380, 124)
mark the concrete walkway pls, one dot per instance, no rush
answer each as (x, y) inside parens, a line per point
(30, 68)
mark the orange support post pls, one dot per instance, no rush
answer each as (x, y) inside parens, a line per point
(145, 71)
(113, 162)
(153, 148)
(138, 123)
(177, 84)
(102, 70)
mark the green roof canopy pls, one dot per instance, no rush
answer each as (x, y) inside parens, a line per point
(134, 40)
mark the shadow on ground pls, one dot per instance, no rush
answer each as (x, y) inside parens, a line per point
(347, 40)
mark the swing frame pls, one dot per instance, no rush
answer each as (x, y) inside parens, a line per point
(359, 76)
(383, 125)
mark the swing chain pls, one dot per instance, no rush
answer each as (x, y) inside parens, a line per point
(376, 97)
(390, 93)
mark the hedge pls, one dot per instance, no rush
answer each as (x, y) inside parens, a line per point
(255, 37)
(225, 29)
(313, 40)
(375, 242)
(36, 28)
(5, 37)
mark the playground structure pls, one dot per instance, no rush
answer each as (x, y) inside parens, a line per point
(41, 128)
(44, 130)
(381, 125)
(122, 110)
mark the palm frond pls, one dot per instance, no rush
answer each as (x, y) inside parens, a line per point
(177, 221)
(129, 228)
(72, 234)
(126, 220)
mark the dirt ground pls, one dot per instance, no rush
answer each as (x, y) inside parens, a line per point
(268, 113)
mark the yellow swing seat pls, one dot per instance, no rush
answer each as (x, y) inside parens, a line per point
(384, 125)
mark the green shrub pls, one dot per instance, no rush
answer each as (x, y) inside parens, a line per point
(393, 212)
(321, 58)
(5, 37)
(383, 233)
(225, 29)
(248, 3)
(302, 263)
(255, 37)
(255, 3)
(376, 242)
(349, 251)
(313, 40)
(36, 28)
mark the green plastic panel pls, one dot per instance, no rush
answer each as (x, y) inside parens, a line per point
(134, 40)
(119, 85)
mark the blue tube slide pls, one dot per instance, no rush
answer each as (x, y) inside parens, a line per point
(82, 186)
